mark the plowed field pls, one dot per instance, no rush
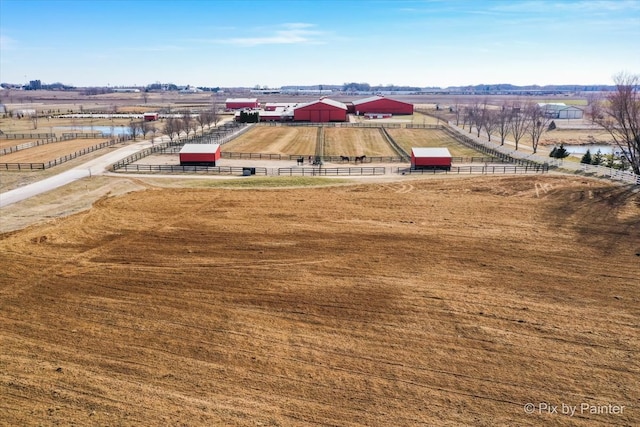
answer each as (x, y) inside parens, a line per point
(418, 302)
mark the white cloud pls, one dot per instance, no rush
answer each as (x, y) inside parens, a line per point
(7, 43)
(291, 33)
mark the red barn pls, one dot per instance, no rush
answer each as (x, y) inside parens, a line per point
(321, 111)
(380, 104)
(430, 158)
(242, 103)
(150, 117)
(199, 154)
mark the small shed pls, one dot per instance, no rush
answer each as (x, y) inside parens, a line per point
(199, 154)
(430, 158)
(150, 117)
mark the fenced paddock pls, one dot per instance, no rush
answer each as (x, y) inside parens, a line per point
(320, 171)
(274, 140)
(39, 164)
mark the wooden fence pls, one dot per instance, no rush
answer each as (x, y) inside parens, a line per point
(59, 160)
(320, 171)
(482, 170)
(214, 170)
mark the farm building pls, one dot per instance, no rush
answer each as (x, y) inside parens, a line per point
(200, 154)
(150, 117)
(273, 106)
(278, 115)
(430, 158)
(321, 111)
(380, 104)
(560, 110)
(242, 103)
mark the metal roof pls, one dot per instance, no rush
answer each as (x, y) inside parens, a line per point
(365, 100)
(199, 148)
(430, 152)
(242, 100)
(327, 101)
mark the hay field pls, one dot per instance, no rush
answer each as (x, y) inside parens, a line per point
(417, 302)
(356, 142)
(408, 138)
(274, 140)
(48, 152)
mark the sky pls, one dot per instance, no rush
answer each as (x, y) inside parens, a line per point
(270, 43)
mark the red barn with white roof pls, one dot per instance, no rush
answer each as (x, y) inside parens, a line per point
(430, 158)
(380, 104)
(321, 111)
(200, 154)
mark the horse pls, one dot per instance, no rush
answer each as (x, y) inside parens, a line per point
(345, 158)
(300, 161)
(360, 159)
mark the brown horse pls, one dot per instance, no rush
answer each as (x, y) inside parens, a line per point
(345, 158)
(360, 159)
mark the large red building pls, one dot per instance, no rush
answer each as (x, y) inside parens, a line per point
(380, 104)
(321, 111)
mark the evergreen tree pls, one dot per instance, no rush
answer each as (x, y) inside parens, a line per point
(562, 152)
(597, 159)
(586, 159)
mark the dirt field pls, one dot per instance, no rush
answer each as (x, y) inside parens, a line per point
(275, 140)
(418, 302)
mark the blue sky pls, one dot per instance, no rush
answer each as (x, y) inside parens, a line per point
(273, 43)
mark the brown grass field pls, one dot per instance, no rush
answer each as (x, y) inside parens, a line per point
(435, 302)
(356, 142)
(274, 140)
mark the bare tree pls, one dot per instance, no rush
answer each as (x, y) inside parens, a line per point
(538, 123)
(519, 124)
(135, 128)
(490, 123)
(145, 128)
(171, 128)
(503, 123)
(479, 116)
(594, 106)
(202, 120)
(621, 117)
(186, 121)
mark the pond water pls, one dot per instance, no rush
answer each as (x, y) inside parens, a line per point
(593, 148)
(105, 130)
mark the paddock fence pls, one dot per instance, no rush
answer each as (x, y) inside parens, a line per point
(213, 170)
(480, 170)
(58, 161)
(320, 171)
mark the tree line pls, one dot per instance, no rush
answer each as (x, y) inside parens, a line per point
(618, 113)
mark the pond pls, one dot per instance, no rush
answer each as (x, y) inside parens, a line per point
(593, 149)
(105, 130)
